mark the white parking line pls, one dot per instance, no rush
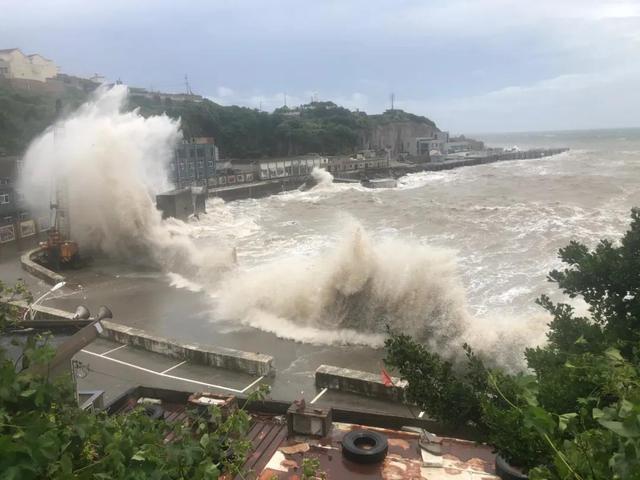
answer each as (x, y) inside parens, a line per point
(175, 366)
(322, 392)
(153, 372)
(112, 350)
(252, 384)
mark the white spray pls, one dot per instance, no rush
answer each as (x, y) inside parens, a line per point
(360, 287)
(322, 177)
(112, 163)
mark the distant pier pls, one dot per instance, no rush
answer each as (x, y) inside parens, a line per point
(269, 187)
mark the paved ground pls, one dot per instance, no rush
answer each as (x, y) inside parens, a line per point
(143, 299)
(115, 368)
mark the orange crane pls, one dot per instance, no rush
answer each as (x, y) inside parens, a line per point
(59, 250)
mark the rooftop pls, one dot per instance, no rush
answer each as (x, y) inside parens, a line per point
(412, 454)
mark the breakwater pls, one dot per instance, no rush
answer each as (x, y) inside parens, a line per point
(471, 160)
(269, 187)
(257, 189)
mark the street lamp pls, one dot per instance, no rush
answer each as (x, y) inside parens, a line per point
(78, 340)
(30, 311)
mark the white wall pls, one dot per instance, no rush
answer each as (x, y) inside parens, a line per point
(34, 67)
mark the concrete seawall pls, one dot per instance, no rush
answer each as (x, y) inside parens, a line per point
(257, 189)
(264, 188)
(213, 356)
(220, 357)
(358, 382)
(28, 263)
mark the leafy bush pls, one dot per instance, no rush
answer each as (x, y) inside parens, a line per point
(578, 415)
(43, 433)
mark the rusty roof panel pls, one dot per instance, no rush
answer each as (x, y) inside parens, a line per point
(448, 458)
(459, 459)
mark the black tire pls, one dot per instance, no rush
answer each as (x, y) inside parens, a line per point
(375, 451)
(154, 412)
(508, 472)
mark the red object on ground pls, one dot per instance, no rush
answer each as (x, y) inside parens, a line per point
(386, 378)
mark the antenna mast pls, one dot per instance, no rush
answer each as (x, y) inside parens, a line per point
(186, 84)
(393, 99)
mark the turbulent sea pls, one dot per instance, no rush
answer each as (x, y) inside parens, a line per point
(465, 249)
(447, 257)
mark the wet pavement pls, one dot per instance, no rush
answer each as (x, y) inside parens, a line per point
(143, 299)
(116, 368)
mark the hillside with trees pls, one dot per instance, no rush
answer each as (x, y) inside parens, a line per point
(25, 114)
(240, 132)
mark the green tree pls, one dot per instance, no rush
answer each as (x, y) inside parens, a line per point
(578, 415)
(43, 433)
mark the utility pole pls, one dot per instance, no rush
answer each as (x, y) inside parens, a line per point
(285, 99)
(393, 99)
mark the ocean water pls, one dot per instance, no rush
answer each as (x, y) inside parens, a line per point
(447, 255)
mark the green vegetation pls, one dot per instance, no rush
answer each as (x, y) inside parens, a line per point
(24, 115)
(578, 415)
(318, 127)
(240, 133)
(43, 433)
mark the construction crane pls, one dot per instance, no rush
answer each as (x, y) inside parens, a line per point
(59, 250)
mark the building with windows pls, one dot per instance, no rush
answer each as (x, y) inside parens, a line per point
(422, 146)
(16, 65)
(363, 162)
(291, 167)
(195, 162)
(15, 219)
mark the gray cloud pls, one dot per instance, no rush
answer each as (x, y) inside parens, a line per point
(468, 64)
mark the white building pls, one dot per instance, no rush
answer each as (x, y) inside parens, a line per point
(16, 65)
(423, 145)
(291, 167)
(99, 79)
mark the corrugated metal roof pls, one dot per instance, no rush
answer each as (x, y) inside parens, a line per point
(274, 455)
(459, 459)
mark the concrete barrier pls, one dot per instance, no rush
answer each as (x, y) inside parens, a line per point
(358, 382)
(221, 357)
(37, 270)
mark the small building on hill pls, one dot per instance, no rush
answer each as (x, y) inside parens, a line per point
(16, 65)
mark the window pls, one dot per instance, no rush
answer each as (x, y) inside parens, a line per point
(210, 162)
(8, 219)
(24, 216)
(4, 198)
(4, 181)
(200, 151)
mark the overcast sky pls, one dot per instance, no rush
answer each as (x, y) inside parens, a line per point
(470, 65)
